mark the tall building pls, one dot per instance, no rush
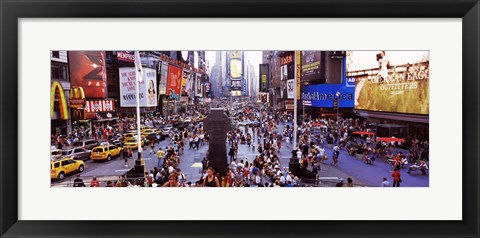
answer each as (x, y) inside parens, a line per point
(272, 58)
(60, 93)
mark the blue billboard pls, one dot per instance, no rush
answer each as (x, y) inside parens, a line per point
(322, 95)
(244, 87)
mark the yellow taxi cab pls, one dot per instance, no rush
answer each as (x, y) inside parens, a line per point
(145, 128)
(148, 131)
(61, 167)
(132, 143)
(105, 152)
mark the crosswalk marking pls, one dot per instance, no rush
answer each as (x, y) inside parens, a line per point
(328, 178)
(121, 170)
(196, 165)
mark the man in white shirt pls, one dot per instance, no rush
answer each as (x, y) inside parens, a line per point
(233, 165)
(241, 164)
(299, 154)
(282, 179)
(170, 169)
(289, 178)
(195, 142)
(201, 137)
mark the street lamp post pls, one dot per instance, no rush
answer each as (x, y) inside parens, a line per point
(338, 117)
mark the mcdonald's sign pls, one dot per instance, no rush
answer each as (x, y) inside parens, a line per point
(78, 114)
(56, 91)
(77, 97)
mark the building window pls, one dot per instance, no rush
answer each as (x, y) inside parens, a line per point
(59, 72)
(56, 54)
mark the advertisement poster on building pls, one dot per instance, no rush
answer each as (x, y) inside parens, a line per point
(100, 105)
(311, 61)
(150, 77)
(299, 71)
(174, 82)
(284, 72)
(244, 87)
(290, 89)
(263, 77)
(162, 87)
(147, 87)
(185, 78)
(198, 85)
(127, 56)
(399, 80)
(323, 95)
(236, 84)
(235, 93)
(235, 68)
(87, 70)
(191, 84)
(208, 87)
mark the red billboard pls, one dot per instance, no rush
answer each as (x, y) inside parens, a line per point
(174, 82)
(87, 70)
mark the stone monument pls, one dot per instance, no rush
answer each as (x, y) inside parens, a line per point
(217, 124)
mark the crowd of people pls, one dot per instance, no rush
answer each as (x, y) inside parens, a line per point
(259, 130)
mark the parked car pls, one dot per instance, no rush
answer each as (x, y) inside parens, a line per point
(78, 153)
(61, 167)
(106, 152)
(86, 144)
(55, 154)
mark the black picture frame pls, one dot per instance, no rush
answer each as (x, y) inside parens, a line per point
(11, 11)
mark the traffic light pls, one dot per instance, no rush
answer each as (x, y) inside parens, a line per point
(335, 103)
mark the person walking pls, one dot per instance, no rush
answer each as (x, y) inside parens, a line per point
(125, 155)
(152, 147)
(396, 178)
(160, 154)
(130, 155)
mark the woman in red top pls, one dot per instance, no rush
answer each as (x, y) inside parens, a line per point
(396, 178)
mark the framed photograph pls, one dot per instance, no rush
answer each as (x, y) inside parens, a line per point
(331, 124)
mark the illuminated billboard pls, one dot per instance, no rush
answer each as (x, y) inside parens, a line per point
(311, 65)
(87, 70)
(236, 68)
(263, 77)
(162, 86)
(236, 93)
(391, 81)
(236, 84)
(174, 82)
(322, 95)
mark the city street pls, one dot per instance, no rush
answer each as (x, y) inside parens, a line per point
(362, 174)
(361, 118)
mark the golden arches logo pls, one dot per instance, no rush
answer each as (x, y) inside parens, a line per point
(77, 93)
(56, 85)
(77, 114)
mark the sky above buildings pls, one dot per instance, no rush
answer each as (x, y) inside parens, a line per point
(254, 57)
